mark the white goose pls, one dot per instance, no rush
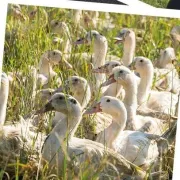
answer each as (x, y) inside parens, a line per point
(78, 151)
(62, 29)
(159, 101)
(166, 76)
(47, 60)
(100, 46)
(126, 78)
(137, 147)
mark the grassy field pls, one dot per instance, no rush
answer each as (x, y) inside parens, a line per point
(157, 3)
(27, 40)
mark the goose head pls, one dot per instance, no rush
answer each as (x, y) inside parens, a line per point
(89, 37)
(54, 57)
(121, 75)
(124, 36)
(109, 105)
(175, 35)
(16, 12)
(107, 67)
(63, 103)
(32, 12)
(58, 27)
(142, 65)
(167, 56)
(73, 84)
(45, 94)
(77, 83)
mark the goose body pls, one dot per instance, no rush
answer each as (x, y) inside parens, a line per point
(159, 101)
(17, 137)
(166, 76)
(135, 146)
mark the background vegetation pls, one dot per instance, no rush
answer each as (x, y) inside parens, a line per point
(157, 3)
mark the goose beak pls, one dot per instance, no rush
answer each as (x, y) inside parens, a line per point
(60, 89)
(174, 61)
(118, 40)
(46, 108)
(81, 41)
(95, 109)
(132, 66)
(111, 80)
(63, 88)
(100, 70)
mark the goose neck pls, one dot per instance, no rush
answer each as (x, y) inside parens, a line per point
(128, 51)
(113, 90)
(45, 68)
(145, 86)
(4, 92)
(100, 51)
(66, 128)
(83, 96)
(110, 134)
(130, 98)
(130, 102)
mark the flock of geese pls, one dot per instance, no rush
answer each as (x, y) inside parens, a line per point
(135, 115)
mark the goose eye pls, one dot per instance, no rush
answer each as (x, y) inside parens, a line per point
(141, 60)
(108, 100)
(54, 53)
(75, 80)
(56, 23)
(121, 71)
(115, 65)
(80, 39)
(73, 101)
(60, 98)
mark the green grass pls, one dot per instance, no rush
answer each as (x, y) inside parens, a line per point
(30, 39)
(157, 3)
